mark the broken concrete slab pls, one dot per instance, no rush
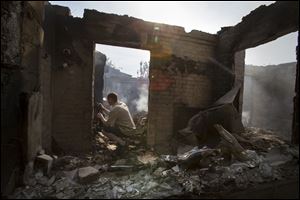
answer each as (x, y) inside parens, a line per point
(222, 112)
(45, 162)
(229, 97)
(202, 124)
(231, 143)
(193, 157)
(87, 175)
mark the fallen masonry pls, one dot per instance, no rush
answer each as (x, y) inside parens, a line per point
(87, 174)
(201, 172)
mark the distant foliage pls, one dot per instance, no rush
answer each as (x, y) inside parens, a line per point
(143, 71)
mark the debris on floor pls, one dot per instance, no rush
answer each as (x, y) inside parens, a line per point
(140, 172)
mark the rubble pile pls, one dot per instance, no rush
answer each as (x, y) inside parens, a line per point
(142, 173)
(261, 140)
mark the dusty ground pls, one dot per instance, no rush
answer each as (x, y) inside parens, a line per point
(138, 172)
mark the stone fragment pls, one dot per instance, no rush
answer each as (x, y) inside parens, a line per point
(87, 175)
(45, 163)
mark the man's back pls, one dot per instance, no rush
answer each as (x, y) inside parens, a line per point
(120, 117)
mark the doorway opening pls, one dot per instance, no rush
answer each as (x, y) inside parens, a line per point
(123, 71)
(269, 86)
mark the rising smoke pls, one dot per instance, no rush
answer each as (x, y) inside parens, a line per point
(268, 97)
(142, 102)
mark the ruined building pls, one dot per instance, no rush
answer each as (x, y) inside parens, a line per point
(48, 74)
(268, 97)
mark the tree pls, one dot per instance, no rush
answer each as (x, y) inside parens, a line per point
(143, 72)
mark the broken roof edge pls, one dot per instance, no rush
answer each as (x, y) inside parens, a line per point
(245, 18)
(61, 10)
(168, 28)
(256, 13)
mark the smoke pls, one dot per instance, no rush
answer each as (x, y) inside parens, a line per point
(268, 97)
(142, 102)
(246, 118)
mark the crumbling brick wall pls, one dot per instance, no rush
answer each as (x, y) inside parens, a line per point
(175, 83)
(21, 102)
(71, 81)
(189, 70)
(180, 68)
(10, 91)
(180, 71)
(49, 88)
(262, 25)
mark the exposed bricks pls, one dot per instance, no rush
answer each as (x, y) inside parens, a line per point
(180, 71)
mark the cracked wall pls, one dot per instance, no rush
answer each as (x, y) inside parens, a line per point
(188, 71)
(180, 71)
(47, 73)
(21, 99)
(71, 82)
(262, 25)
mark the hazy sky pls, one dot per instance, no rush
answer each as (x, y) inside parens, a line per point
(207, 16)
(126, 59)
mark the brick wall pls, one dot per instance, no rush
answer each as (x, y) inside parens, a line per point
(71, 85)
(32, 41)
(188, 70)
(180, 75)
(256, 28)
(21, 102)
(175, 83)
(180, 71)
(72, 97)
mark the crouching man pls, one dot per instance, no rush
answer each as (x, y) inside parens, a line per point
(118, 120)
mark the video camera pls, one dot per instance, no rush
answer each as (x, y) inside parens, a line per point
(99, 108)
